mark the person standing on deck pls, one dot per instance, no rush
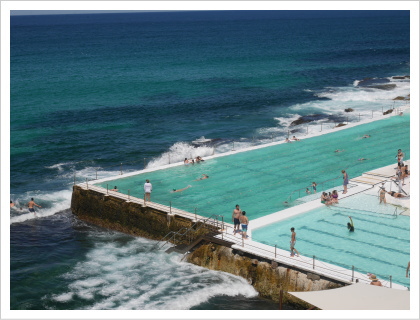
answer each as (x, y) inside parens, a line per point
(345, 180)
(245, 222)
(292, 244)
(382, 194)
(147, 190)
(235, 218)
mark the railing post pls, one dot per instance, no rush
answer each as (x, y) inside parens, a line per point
(321, 126)
(107, 189)
(169, 158)
(96, 174)
(170, 207)
(352, 273)
(128, 194)
(271, 137)
(275, 251)
(242, 242)
(313, 263)
(390, 281)
(87, 185)
(195, 213)
(121, 168)
(144, 163)
(359, 117)
(307, 129)
(233, 146)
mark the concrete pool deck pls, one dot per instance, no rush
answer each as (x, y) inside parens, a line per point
(363, 183)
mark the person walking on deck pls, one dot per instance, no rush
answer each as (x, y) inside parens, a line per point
(147, 190)
(235, 218)
(345, 180)
(292, 244)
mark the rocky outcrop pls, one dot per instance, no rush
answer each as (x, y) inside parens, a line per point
(388, 111)
(348, 110)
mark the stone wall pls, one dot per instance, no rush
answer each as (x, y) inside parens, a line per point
(128, 217)
(267, 277)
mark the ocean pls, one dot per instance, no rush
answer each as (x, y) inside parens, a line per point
(91, 93)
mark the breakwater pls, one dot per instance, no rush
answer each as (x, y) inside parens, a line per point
(270, 278)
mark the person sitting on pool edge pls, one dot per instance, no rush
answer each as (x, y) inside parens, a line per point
(350, 225)
(325, 199)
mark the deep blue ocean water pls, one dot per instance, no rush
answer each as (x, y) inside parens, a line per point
(89, 92)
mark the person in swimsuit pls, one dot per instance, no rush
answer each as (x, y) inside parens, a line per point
(244, 222)
(324, 199)
(334, 197)
(204, 176)
(345, 180)
(396, 194)
(115, 189)
(235, 218)
(314, 186)
(179, 190)
(292, 243)
(31, 205)
(350, 225)
(382, 193)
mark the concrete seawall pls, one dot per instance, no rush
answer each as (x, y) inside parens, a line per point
(267, 277)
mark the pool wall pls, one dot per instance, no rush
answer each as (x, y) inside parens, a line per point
(112, 211)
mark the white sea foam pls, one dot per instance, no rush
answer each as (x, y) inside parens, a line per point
(178, 152)
(131, 275)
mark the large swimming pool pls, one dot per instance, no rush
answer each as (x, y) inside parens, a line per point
(261, 180)
(380, 243)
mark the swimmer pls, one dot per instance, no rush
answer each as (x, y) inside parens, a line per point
(186, 161)
(31, 205)
(350, 225)
(361, 159)
(180, 190)
(204, 176)
(296, 139)
(287, 140)
(11, 204)
(339, 150)
(366, 136)
(308, 191)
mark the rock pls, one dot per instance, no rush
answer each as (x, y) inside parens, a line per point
(399, 98)
(348, 110)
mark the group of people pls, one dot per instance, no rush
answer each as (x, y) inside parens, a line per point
(329, 198)
(193, 160)
(291, 139)
(31, 205)
(240, 222)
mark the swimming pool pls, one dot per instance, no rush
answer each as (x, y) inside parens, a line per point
(380, 243)
(261, 180)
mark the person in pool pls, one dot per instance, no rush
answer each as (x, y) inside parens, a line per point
(180, 190)
(382, 194)
(350, 225)
(204, 176)
(115, 189)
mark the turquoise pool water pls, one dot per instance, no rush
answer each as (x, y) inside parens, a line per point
(380, 243)
(261, 180)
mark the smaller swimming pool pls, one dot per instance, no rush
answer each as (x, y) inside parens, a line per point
(380, 243)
